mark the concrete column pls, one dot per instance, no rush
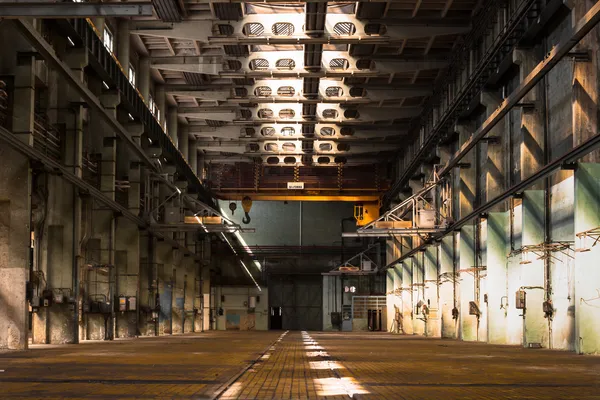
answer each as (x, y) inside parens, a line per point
(587, 273)
(532, 118)
(164, 265)
(147, 297)
(481, 282)
(160, 101)
(467, 176)
(407, 295)
(418, 293)
(535, 326)
(123, 43)
(206, 298)
(189, 294)
(586, 84)
(183, 141)
(127, 248)
(193, 155)
(389, 300)
(15, 214)
(197, 300)
(448, 296)
(178, 300)
(396, 273)
(172, 125)
(498, 296)
(433, 320)
(200, 167)
(143, 83)
(101, 248)
(392, 251)
(495, 164)
(468, 323)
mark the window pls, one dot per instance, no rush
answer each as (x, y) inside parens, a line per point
(344, 28)
(330, 113)
(282, 29)
(334, 91)
(288, 146)
(287, 113)
(285, 64)
(253, 29)
(262, 91)
(259, 64)
(325, 147)
(131, 75)
(152, 105)
(265, 113)
(288, 131)
(267, 131)
(108, 40)
(327, 131)
(339, 64)
(286, 91)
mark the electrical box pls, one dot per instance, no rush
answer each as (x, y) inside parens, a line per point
(58, 298)
(46, 298)
(122, 303)
(426, 219)
(474, 308)
(252, 302)
(366, 265)
(172, 215)
(35, 302)
(520, 302)
(132, 303)
(548, 308)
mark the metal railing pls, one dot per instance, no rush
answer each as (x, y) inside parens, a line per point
(115, 77)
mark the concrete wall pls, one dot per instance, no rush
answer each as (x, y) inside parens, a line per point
(293, 224)
(236, 313)
(539, 241)
(68, 245)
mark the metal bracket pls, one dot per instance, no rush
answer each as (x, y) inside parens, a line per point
(580, 56)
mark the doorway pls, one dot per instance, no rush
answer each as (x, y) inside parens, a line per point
(276, 318)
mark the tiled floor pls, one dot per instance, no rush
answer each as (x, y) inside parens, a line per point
(187, 366)
(297, 366)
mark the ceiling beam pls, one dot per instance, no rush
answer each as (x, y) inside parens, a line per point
(45, 9)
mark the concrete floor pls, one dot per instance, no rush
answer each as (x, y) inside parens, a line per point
(295, 366)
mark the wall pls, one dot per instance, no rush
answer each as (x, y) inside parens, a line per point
(293, 224)
(540, 240)
(236, 315)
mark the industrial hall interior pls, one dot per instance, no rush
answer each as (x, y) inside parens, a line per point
(300, 199)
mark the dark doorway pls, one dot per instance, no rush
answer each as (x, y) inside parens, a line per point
(276, 319)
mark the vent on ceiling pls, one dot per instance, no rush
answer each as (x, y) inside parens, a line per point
(253, 29)
(282, 29)
(286, 91)
(344, 28)
(259, 64)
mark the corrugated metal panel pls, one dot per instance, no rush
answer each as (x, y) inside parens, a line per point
(168, 10)
(236, 50)
(228, 11)
(194, 79)
(300, 297)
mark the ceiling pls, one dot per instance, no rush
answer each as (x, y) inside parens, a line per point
(318, 92)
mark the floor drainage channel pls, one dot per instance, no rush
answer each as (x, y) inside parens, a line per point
(264, 355)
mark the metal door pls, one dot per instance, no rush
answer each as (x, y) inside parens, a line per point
(300, 298)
